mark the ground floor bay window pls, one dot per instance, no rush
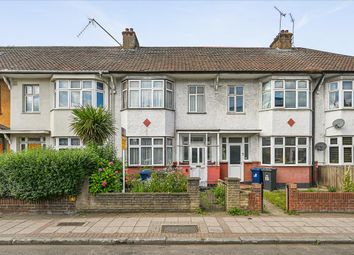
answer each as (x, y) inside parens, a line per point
(285, 150)
(150, 151)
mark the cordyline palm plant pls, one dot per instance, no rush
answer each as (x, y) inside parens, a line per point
(93, 125)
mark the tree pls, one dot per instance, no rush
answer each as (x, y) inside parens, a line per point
(93, 125)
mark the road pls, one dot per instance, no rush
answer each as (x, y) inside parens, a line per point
(178, 249)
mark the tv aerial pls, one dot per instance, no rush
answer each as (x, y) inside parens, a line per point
(281, 15)
(293, 22)
(94, 22)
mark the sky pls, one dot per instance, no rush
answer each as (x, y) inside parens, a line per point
(322, 25)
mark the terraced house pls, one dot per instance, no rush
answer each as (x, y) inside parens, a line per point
(213, 111)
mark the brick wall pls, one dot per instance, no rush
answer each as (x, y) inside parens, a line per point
(318, 201)
(235, 197)
(54, 206)
(140, 202)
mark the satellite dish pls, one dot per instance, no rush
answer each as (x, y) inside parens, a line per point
(321, 146)
(338, 123)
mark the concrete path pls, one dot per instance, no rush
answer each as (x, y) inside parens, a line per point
(215, 229)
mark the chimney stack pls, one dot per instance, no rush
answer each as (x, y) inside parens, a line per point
(283, 40)
(130, 40)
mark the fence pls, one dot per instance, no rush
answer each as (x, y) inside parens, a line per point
(332, 176)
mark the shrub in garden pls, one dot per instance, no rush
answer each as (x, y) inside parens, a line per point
(161, 181)
(219, 193)
(44, 174)
(107, 178)
(348, 184)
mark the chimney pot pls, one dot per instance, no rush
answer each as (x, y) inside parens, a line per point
(131, 29)
(127, 29)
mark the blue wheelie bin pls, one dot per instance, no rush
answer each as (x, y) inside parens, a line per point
(145, 174)
(257, 176)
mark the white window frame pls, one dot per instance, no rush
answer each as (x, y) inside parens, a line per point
(152, 146)
(340, 147)
(140, 89)
(330, 91)
(94, 90)
(32, 95)
(169, 146)
(196, 94)
(69, 145)
(235, 97)
(295, 90)
(24, 141)
(283, 146)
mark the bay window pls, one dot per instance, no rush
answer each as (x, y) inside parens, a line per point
(288, 94)
(285, 150)
(67, 143)
(340, 95)
(150, 151)
(75, 93)
(147, 94)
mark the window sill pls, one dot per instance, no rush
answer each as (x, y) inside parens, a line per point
(235, 113)
(31, 112)
(196, 112)
(155, 108)
(339, 109)
(286, 109)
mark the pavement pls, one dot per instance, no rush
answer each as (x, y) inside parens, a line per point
(147, 229)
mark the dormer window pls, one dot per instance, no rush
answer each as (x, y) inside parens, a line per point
(148, 94)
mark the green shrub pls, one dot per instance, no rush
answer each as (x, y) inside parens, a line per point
(219, 192)
(44, 174)
(331, 189)
(241, 212)
(105, 152)
(4, 187)
(107, 178)
(161, 181)
(348, 184)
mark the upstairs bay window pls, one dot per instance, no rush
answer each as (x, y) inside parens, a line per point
(288, 94)
(76, 93)
(340, 95)
(147, 94)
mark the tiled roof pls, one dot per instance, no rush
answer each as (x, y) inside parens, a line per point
(171, 59)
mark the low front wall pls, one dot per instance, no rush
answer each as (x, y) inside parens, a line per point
(53, 206)
(140, 202)
(319, 201)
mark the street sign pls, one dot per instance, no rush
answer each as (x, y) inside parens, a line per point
(124, 142)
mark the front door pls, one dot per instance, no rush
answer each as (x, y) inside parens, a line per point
(198, 168)
(235, 161)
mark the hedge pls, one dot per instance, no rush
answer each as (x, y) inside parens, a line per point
(44, 174)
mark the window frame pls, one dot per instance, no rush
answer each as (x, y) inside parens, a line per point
(340, 147)
(153, 146)
(196, 94)
(126, 93)
(94, 90)
(32, 95)
(69, 145)
(235, 97)
(24, 141)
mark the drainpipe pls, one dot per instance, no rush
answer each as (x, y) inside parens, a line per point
(320, 81)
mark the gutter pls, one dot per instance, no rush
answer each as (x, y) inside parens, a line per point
(313, 170)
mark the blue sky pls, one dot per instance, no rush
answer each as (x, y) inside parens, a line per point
(324, 25)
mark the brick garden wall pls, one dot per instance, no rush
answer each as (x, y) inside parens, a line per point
(141, 202)
(234, 197)
(54, 206)
(319, 201)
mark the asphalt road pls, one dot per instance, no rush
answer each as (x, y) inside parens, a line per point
(298, 249)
